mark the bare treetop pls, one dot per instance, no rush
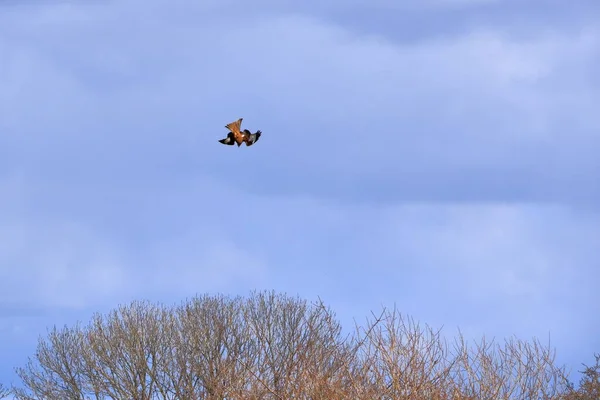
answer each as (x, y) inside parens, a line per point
(272, 346)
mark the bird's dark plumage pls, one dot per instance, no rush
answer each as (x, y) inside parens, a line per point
(251, 138)
(229, 140)
(238, 137)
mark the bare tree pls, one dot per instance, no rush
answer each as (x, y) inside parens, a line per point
(4, 391)
(589, 385)
(122, 354)
(299, 348)
(209, 340)
(400, 359)
(272, 346)
(513, 370)
(56, 370)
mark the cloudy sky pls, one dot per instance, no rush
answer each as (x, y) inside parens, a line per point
(440, 155)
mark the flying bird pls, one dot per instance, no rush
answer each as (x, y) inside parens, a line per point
(238, 136)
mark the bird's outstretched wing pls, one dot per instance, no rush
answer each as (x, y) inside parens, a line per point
(229, 140)
(237, 136)
(251, 138)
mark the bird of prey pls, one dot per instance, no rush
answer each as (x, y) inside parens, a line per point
(238, 136)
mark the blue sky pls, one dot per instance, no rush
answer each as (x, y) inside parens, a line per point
(440, 155)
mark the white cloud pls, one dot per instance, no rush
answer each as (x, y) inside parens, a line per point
(57, 264)
(361, 106)
(50, 257)
(203, 262)
(111, 131)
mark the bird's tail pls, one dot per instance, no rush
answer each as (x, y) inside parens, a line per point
(235, 126)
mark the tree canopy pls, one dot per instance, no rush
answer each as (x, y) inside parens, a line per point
(273, 346)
